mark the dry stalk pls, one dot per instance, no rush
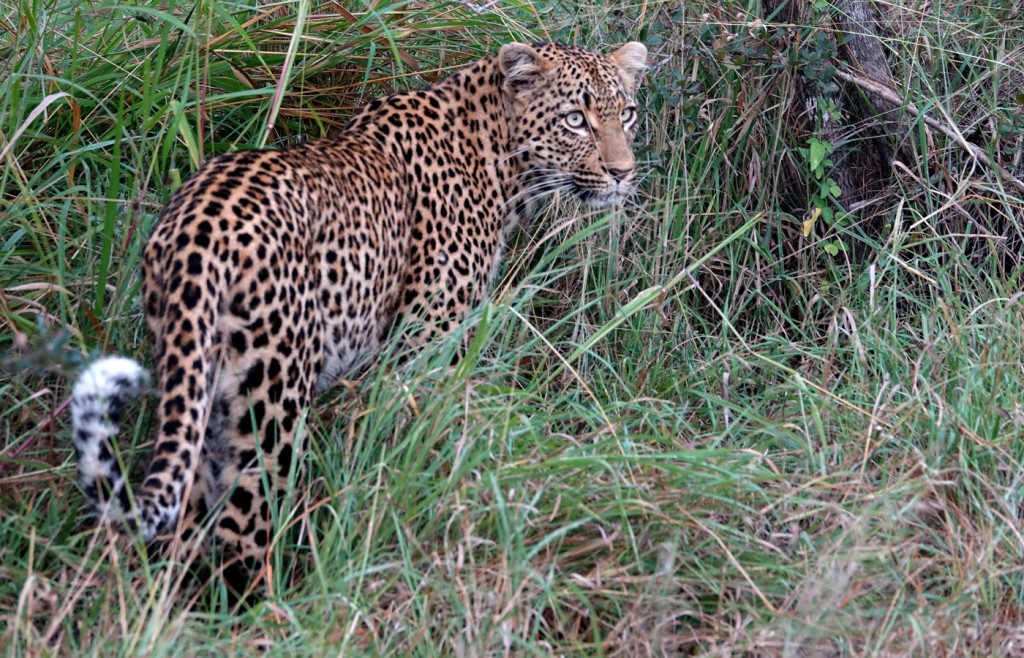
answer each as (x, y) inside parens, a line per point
(891, 96)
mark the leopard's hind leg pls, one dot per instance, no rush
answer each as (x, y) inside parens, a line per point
(269, 368)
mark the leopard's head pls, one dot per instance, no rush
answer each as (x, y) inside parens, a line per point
(572, 117)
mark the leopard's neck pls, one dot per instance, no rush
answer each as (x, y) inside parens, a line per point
(481, 126)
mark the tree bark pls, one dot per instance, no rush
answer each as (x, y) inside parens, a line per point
(867, 128)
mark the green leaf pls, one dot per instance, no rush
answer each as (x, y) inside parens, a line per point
(831, 248)
(817, 152)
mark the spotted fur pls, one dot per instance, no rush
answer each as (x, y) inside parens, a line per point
(272, 273)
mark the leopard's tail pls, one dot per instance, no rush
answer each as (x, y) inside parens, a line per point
(99, 398)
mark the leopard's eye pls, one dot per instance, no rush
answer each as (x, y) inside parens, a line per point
(575, 120)
(628, 115)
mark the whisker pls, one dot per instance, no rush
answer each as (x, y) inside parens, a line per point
(536, 192)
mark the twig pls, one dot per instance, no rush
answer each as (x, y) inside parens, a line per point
(889, 95)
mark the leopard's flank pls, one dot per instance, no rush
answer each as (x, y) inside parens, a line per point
(271, 274)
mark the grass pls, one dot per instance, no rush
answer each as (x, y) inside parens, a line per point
(683, 428)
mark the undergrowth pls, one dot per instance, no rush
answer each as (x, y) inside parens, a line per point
(683, 427)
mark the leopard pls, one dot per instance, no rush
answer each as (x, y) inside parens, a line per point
(271, 274)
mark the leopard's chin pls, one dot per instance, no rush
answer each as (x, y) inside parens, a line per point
(605, 200)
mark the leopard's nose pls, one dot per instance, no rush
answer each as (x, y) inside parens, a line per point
(619, 174)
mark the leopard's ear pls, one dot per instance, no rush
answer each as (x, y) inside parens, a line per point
(631, 60)
(522, 66)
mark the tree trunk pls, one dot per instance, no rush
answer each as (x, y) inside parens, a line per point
(866, 128)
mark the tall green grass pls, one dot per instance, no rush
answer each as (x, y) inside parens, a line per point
(681, 428)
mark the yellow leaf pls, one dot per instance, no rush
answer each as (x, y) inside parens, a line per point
(809, 223)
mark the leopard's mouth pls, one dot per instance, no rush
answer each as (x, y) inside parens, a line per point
(593, 193)
(604, 200)
(610, 194)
